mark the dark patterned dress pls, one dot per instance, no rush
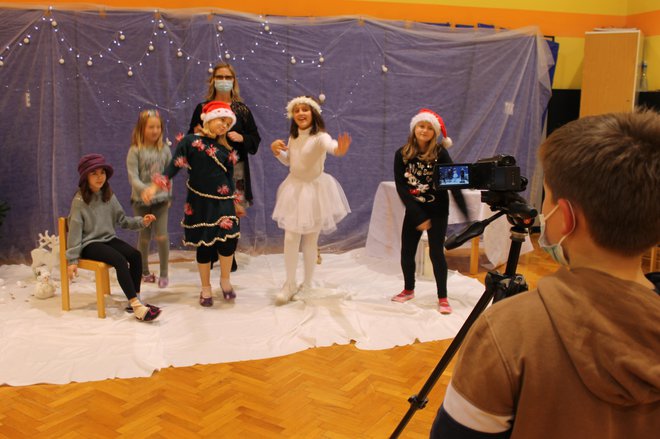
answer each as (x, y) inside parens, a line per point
(209, 212)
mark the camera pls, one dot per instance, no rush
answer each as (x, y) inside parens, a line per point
(498, 173)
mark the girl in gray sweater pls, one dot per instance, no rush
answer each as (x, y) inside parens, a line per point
(95, 211)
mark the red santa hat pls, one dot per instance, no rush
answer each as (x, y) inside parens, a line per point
(426, 115)
(215, 109)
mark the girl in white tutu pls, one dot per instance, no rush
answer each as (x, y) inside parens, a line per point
(309, 201)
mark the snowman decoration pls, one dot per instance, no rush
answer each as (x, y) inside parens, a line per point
(45, 287)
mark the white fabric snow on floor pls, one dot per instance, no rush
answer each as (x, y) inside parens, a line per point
(350, 300)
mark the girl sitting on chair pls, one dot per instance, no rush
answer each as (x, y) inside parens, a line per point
(95, 211)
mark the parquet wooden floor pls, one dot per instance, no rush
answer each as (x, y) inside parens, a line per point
(334, 392)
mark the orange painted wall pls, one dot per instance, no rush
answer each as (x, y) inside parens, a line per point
(564, 21)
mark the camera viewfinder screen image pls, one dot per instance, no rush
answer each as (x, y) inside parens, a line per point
(453, 175)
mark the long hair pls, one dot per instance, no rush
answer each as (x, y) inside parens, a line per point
(86, 192)
(137, 138)
(318, 126)
(411, 149)
(235, 91)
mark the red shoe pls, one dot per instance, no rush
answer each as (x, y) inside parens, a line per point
(404, 296)
(444, 307)
(149, 278)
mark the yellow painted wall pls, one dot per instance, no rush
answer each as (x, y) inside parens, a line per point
(567, 20)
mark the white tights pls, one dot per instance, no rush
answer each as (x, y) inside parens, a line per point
(292, 245)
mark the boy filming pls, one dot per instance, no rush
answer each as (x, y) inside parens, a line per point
(579, 357)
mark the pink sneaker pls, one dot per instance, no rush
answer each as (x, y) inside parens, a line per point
(404, 296)
(163, 282)
(444, 307)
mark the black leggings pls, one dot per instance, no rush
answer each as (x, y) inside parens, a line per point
(210, 254)
(410, 239)
(126, 260)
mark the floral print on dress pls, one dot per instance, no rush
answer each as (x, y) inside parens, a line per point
(223, 190)
(161, 181)
(198, 144)
(181, 162)
(233, 157)
(226, 223)
(211, 150)
(187, 209)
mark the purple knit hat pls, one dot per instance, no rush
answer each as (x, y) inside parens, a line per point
(91, 162)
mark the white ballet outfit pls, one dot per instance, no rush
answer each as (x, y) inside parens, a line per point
(309, 200)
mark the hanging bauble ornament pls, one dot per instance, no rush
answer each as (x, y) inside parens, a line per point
(210, 70)
(179, 53)
(220, 28)
(53, 23)
(26, 40)
(227, 55)
(161, 25)
(122, 37)
(384, 68)
(151, 48)
(129, 73)
(267, 28)
(61, 61)
(293, 60)
(2, 63)
(321, 59)
(90, 62)
(322, 98)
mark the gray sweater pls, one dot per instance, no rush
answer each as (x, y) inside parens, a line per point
(95, 222)
(141, 165)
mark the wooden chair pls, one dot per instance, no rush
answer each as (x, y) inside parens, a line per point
(100, 269)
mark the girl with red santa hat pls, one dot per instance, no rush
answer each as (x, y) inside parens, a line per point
(211, 211)
(427, 209)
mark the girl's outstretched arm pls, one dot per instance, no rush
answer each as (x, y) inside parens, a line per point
(278, 146)
(343, 143)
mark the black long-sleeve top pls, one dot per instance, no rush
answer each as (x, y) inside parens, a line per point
(246, 126)
(414, 184)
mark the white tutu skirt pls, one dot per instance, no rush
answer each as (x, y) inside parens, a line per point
(310, 206)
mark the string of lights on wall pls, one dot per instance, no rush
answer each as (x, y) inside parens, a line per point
(163, 38)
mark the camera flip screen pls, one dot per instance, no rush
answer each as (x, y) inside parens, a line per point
(455, 176)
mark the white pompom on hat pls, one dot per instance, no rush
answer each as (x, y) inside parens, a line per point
(215, 109)
(426, 115)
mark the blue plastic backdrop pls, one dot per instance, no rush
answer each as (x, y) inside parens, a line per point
(66, 91)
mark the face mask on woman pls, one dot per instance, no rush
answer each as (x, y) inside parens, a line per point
(555, 251)
(224, 85)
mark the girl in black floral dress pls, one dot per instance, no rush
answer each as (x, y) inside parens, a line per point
(211, 212)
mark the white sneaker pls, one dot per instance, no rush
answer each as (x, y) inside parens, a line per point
(284, 295)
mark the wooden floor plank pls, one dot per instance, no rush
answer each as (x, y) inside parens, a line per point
(332, 392)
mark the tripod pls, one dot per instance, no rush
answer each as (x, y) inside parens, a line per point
(498, 286)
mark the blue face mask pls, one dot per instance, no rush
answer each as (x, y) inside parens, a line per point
(224, 85)
(555, 251)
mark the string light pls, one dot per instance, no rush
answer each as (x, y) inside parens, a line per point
(264, 38)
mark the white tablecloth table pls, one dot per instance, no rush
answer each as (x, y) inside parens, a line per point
(384, 236)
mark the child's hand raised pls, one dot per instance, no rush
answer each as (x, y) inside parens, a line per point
(343, 143)
(148, 219)
(278, 146)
